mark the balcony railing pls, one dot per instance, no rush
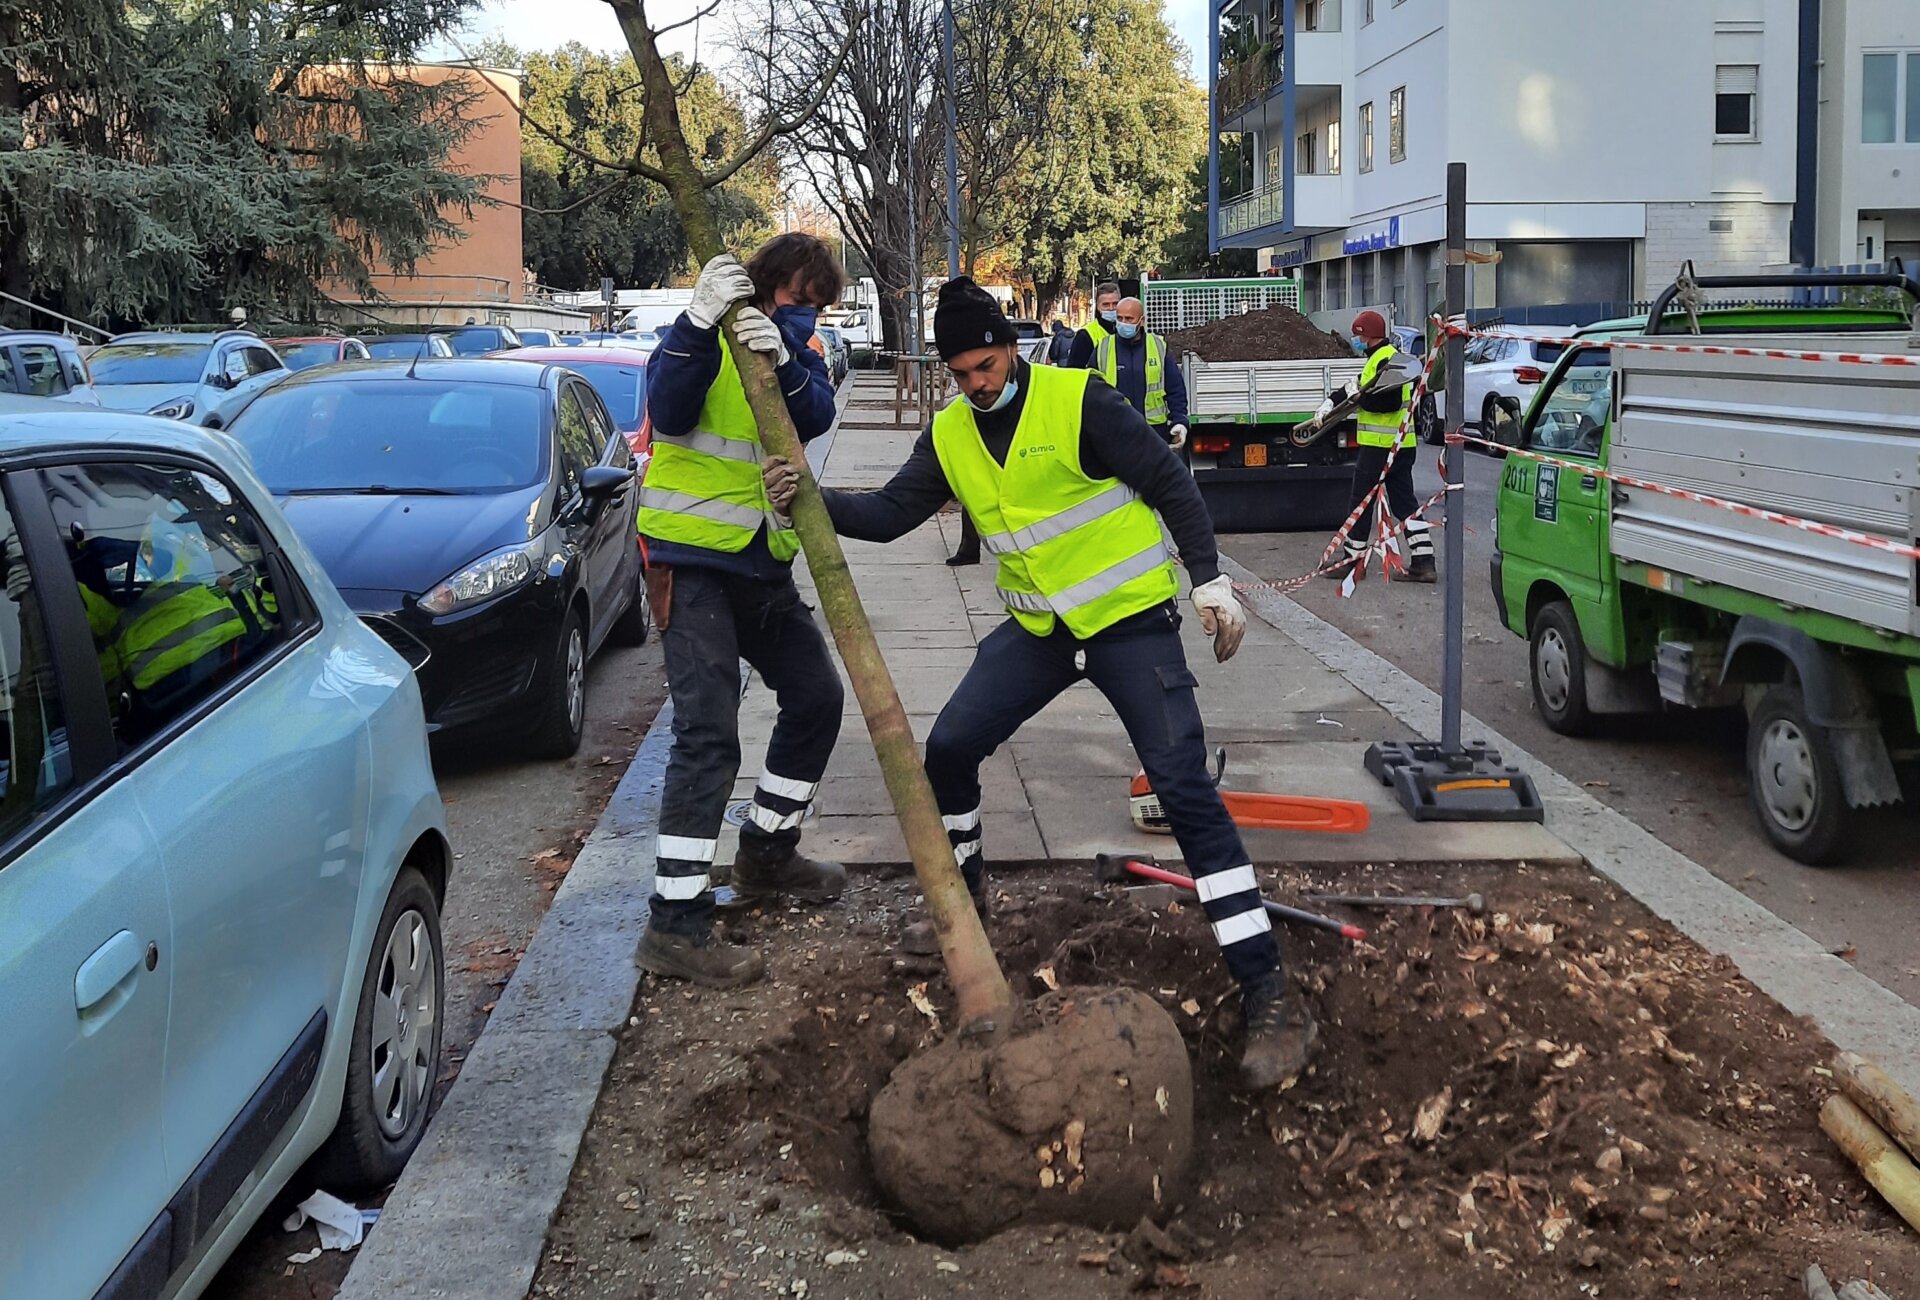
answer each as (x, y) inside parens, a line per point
(1263, 207)
(1245, 82)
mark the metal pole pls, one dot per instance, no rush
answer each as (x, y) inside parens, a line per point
(953, 147)
(1456, 498)
(915, 282)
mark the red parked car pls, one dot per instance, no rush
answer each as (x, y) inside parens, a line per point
(617, 373)
(320, 350)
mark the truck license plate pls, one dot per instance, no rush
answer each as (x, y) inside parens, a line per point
(1254, 455)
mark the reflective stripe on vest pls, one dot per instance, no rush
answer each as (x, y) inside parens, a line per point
(1106, 361)
(703, 488)
(1086, 552)
(177, 633)
(1381, 428)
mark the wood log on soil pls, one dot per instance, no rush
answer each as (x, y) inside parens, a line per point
(1874, 1091)
(1886, 1166)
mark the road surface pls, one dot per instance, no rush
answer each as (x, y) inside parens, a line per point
(1681, 775)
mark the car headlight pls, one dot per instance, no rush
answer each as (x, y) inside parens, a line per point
(177, 409)
(487, 577)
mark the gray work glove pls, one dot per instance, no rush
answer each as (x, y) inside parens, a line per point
(722, 283)
(757, 330)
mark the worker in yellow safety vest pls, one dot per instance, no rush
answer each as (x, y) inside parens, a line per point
(1387, 444)
(1106, 308)
(1139, 364)
(720, 573)
(1068, 488)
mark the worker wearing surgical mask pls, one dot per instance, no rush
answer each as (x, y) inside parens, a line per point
(1141, 365)
(1106, 318)
(1069, 489)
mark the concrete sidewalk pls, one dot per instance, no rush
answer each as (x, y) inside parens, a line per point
(1058, 790)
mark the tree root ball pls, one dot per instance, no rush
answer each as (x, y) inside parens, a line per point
(1083, 1113)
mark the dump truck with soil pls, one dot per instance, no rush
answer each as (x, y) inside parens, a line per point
(1254, 378)
(1733, 525)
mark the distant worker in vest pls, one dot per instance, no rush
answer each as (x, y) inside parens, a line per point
(720, 573)
(1139, 364)
(1064, 481)
(1386, 385)
(1060, 346)
(1106, 306)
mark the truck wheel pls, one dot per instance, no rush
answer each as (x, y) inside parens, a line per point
(1795, 782)
(1557, 659)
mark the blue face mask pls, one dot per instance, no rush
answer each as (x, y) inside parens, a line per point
(1106, 317)
(798, 319)
(1007, 394)
(1128, 330)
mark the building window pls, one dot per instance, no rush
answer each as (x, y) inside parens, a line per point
(1397, 125)
(1366, 12)
(1736, 90)
(1308, 152)
(1889, 84)
(1310, 16)
(1333, 148)
(1273, 175)
(1366, 137)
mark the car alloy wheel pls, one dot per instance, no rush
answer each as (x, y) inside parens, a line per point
(576, 670)
(406, 1009)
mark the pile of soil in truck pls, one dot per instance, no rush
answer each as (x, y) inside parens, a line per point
(1276, 334)
(1561, 1098)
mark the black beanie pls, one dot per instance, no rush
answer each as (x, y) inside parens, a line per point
(966, 317)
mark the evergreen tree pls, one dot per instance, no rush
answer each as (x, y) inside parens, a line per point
(163, 160)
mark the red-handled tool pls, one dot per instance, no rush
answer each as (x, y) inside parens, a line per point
(1109, 867)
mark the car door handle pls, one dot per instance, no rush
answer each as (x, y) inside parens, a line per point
(104, 981)
(1589, 482)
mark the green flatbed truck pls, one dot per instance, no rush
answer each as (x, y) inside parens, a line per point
(1635, 600)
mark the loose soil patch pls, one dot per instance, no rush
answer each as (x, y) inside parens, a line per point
(1563, 1098)
(1276, 334)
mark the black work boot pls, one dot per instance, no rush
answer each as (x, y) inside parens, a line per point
(1280, 1033)
(1421, 569)
(765, 867)
(963, 557)
(710, 963)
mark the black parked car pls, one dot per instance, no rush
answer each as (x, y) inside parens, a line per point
(478, 515)
(405, 347)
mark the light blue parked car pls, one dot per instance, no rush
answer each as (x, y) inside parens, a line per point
(203, 378)
(222, 858)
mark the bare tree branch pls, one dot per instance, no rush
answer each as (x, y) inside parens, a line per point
(784, 125)
(658, 32)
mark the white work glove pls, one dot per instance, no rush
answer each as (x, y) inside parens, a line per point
(783, 484)
(1325, 409)
(722, 283)
(1220, 616)
(757, 330)
(1177, 436)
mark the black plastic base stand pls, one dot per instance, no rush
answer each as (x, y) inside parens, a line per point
(1466, 785)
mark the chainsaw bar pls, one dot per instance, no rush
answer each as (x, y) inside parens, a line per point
(1257, 811)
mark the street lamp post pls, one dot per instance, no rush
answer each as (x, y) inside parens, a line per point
(953, 148)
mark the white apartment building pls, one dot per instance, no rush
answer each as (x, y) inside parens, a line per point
(1605, 143)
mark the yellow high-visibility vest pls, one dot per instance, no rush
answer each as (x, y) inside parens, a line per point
(1106, 361)
(1085, 551)
(1380, 428)
(703, 488)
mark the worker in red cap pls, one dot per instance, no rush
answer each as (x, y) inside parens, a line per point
(1386, 443)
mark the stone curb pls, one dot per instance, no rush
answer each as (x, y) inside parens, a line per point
(1855, 1012)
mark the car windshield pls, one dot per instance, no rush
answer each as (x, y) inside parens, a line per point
(396, 436)
(473, 343)
(1573, 416)
(302, 356)
(149, 363)
(622, 388)
(399, 346)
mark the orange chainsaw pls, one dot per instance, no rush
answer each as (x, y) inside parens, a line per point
(1253, 810)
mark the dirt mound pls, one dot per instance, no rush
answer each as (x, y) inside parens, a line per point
(1081, 1117)
(1276, 334)
(1563, 1098)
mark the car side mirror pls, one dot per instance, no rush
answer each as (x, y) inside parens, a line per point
(602, 481)
(1507, 418)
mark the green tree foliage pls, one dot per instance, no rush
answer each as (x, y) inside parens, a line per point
(582, 222)
(1108, 184)
(1185, 254)
(166, 159)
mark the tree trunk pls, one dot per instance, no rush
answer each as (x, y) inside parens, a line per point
(978, 985)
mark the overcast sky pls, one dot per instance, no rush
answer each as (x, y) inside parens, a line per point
(545, 24)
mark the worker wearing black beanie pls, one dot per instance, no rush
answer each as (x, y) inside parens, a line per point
(966, 317)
